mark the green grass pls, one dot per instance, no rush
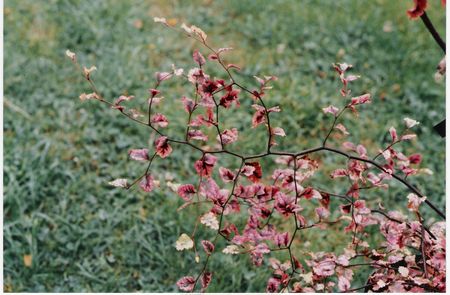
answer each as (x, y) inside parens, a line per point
(60, 153)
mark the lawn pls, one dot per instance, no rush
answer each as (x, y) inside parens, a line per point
(60, 153)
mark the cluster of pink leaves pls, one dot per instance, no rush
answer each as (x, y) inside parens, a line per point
(411, 257)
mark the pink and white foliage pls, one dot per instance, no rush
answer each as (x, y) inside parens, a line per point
(186, 191)
(186, 283)
(160, 120)
(205, 165)
(139, 154)
(275, 204)
(147, 183)
(162, 147)
(228, 136)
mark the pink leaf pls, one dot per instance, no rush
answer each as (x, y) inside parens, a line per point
(186, 191)
(229, 136)
(361, 150)
(275, 109)
(414, 202)
(278, 131)
(139, 154)
(285, 205)
(272, 285)
(393, 133)
(208, 247)
(205, 279)
(224, 49)
(123, 98)
(418, 9)
(282, 239)
(331, 110)
(177, 72)
(229, 97)
(226, 174)
(199, 33)
(229, 66)
(325, 267)
(260, 81)
(154, 100)
(163, 149)
(213, 56)
(186, 283)
(154, 92)
(342, 128)
(351, 78)
(147, 184)
(197, 135)
(161, 76)
(309, 193)
(198, 58)
(349, 146)
(247, 170)
(160, 120)
(322, 212)
(120, 182)
(415, 159)
(342, 68)
(256, 175)
(205, 165)
(343, 283)
(410, 123)
(259, 117)
(362, 99)
(188, 103)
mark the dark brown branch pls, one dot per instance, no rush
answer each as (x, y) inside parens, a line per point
(433, 31)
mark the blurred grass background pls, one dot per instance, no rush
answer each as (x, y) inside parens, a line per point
(84, 236)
